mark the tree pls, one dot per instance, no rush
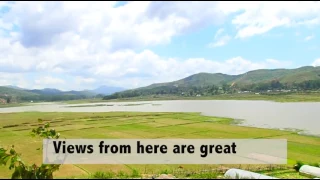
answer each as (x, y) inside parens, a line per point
(8, 100)
(275, 84)
(225, 87)
(21, 169)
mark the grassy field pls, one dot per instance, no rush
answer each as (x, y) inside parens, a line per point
(295, 97)
(15, 128)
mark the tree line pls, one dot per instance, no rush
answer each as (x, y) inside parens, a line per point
(224, 88)
(35, 98)
(8, 99)
(46, 98)
(277, 85)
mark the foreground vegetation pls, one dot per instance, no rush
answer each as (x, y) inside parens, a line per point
(15, 128)
(21, 170)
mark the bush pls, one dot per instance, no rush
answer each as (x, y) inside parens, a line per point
(103, 175)
(298, 165)
(21, 169)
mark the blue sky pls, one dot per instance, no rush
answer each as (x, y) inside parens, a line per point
(84, 45)
(282, 43)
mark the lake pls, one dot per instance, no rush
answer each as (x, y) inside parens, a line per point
(265, 114)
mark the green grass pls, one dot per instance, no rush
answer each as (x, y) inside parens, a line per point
(15, 128)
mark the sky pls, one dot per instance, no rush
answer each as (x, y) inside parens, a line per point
(83, 45)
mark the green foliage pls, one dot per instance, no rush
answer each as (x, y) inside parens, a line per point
(45, 131)
(135, 173)
(21, 169)
(121, 174)
(207, 175)
(8, 100)
(103, 175)
(298, 165)
(165, 171)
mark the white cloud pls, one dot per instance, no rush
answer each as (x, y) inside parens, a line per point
(94, 43)
(218, 33)
(316, 62)
(82, 80)
(125, 68)
(220, 39)
(254, 18)
(139, 24)
(308, 38)
(99, 24)
(8, 78)
(273, 63)
(48, 80)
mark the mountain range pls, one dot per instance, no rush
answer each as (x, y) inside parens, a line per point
(252, 77)
(284, 76)
(17, 91)
(255, 77)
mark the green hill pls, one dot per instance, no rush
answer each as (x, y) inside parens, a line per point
(14, 92)
(252, 77)
(200, 79)
(22, 95)
(283, 75)
(50, 94)
(307, 77)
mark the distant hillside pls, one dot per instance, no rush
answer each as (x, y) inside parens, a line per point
(208, 83)
(200, 79)
(283, 75)
(252, 77)
(51, 94)
(15, 87)
(51, 91)
(46, 91)
(22, 95)
(4, 90)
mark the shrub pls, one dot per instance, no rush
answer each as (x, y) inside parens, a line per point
(21, 169)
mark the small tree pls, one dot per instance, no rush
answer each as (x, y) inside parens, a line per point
(8, 100)
(21, 169)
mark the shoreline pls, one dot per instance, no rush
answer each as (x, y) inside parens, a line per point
(281, 98)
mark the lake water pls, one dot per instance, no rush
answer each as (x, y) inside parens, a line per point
(265, 114)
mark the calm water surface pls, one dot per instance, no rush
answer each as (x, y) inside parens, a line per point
(265, 114)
